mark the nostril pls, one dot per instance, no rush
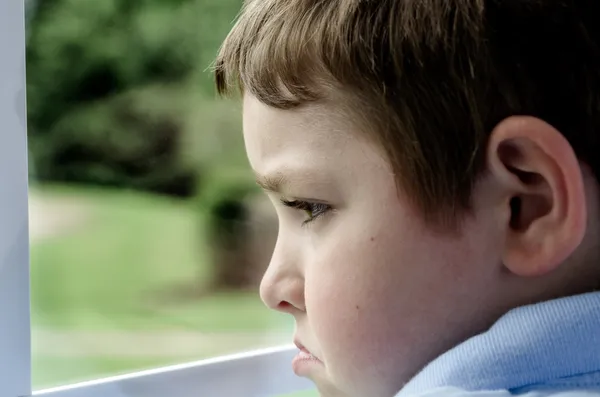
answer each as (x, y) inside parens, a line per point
(284, 306)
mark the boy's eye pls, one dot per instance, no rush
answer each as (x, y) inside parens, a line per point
(312, 210)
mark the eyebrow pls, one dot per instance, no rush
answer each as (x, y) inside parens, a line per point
(273, 183)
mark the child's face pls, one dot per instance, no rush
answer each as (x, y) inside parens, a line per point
(374, 292)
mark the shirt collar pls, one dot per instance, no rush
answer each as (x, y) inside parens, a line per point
(529, 345)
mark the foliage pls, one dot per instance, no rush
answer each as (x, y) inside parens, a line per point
(120, 94)
(85, 56)
(125, 141)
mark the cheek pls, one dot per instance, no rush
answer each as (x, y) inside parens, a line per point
(377, 298)
(353, 305)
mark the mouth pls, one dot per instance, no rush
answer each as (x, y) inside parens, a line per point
(304, 362)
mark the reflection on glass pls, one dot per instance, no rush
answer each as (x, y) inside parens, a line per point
(148, 236)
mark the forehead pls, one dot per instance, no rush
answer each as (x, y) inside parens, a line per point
(310, 130)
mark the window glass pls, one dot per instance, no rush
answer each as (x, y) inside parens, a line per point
(148, 235)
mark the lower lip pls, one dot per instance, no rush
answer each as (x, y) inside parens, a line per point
(303, 362)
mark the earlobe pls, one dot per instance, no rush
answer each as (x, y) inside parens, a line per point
(543, 190)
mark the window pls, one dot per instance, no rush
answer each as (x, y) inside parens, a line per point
(92, 304)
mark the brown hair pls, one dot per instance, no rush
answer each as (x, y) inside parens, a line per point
(434, 76)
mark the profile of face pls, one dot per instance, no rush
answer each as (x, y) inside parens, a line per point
(375, 293)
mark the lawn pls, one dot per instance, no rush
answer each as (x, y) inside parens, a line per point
(129, 267)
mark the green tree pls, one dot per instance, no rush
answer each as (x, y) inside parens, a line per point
(83, 55)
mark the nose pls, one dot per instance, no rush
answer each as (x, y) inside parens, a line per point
(282, 286)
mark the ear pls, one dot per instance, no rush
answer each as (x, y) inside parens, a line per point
(542, 188)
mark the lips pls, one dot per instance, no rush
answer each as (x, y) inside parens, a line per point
(304, 352)
(303, 349)
(305, 362)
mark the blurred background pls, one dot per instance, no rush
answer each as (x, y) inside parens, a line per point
(148, 236)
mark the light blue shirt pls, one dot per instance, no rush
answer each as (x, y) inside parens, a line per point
(547, 348)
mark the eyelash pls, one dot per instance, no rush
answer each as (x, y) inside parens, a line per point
(313, 210)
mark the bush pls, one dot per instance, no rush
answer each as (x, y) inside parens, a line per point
(227, 211)
(122, 142)
(84, 55)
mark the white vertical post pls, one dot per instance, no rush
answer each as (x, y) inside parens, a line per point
(15, 345)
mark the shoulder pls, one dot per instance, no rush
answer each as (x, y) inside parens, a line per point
(456, 392)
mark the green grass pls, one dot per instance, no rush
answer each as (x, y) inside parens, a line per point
(308, 393)
(50, 371)
(113, 272)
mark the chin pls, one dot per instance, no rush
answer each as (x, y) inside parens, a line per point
(331, 391)
(326, 388)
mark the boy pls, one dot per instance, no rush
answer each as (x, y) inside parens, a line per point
(434, 168)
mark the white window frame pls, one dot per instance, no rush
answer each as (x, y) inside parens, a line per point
(261, 373)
